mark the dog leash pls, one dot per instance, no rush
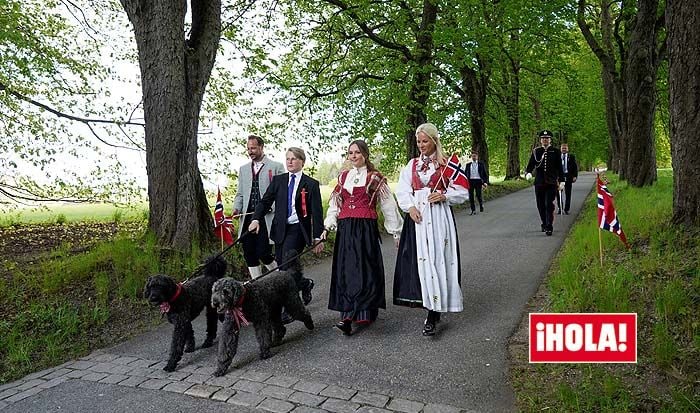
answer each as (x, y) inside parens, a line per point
(306, 251)
(201, 267)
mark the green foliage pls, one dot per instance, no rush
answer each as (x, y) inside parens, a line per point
(45, 330)
(51, 73)
(596, 392)
(60, 219)
(658, 279)
(50, 306)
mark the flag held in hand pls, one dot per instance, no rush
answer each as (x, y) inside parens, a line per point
(454, 172)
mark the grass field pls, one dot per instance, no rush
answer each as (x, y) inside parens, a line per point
(67, 213)
(658, 278)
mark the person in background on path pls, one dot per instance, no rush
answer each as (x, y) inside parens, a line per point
(478, 178)
(427, 270)
(549, 178)
(570, 167)
(357, 277)
(298, 218)
(253, 180)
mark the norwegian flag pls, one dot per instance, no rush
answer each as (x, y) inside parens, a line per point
(607, 216)
(454, 172)
(223, 225)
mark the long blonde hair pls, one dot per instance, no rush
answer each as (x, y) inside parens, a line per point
(431, 131)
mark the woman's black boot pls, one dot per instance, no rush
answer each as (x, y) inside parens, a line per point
(429, 326)
(345, 326)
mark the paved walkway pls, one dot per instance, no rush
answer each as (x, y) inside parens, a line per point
(388, 367)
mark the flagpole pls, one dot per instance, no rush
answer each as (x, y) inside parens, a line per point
(600, 245)
(600, 237)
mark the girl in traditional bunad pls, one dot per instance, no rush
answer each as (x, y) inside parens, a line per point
(357, 279)
(427, 266)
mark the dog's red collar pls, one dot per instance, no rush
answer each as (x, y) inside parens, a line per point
(239, 303)
(236, 312)
(165, 305)
(177, 293)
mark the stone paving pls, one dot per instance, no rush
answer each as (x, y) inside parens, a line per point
(250, 388)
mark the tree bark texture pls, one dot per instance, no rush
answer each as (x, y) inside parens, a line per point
(640, 94)
(682, 21)
(475, 86)
(175, 69)
(611, 77)
(511, 80)
(420, 87)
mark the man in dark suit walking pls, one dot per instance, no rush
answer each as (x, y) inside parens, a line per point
(570, 167)
(549, 178)
(298, 219)
(478, 178)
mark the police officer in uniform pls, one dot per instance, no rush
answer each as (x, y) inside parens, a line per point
(545, 161)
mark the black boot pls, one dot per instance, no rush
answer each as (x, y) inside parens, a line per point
(345, 326)
(429, 326)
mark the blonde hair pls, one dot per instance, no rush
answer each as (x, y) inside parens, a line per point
(298, 153)
(431, 131)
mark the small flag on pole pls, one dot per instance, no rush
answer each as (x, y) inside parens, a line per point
(454, 172)
(607, 216)
(223, 225)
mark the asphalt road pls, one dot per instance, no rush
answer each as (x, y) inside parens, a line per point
(504, 258)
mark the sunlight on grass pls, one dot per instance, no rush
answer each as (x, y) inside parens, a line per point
(69, 213)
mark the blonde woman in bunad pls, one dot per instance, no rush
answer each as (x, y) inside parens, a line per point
(427, 271)
(357, 280)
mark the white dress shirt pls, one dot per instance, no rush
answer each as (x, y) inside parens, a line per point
(294, 218)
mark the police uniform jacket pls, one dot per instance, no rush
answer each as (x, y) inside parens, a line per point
(546, 164)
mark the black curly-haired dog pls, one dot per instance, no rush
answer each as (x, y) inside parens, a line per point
(182, 303)
(259, 302)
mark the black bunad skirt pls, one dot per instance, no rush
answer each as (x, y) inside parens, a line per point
(357, 278)
(407, 288)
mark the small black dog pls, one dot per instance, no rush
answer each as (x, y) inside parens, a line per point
(182, 302)
(259, 302)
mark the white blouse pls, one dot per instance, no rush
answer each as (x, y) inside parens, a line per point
(404, 190)
(357, 177)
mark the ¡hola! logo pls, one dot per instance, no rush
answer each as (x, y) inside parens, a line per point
(583, 337)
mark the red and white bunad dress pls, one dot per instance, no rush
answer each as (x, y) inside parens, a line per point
(427, 270)
(357, 278)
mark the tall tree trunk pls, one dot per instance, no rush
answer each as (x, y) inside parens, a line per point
(420, 88)
(475, 86)
(612, 90)
(640, 94)
(611, 77)
(682, 20)
(511, 76)
(174, 74)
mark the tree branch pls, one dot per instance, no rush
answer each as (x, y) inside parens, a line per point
(370, 34)
(86, 121)
(19, 194)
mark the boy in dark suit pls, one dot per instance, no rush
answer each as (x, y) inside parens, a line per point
(298, 220)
